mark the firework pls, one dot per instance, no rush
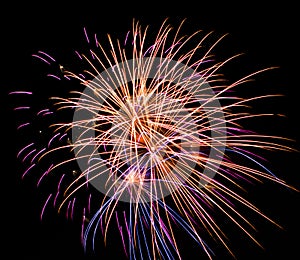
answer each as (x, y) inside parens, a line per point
(156, 142)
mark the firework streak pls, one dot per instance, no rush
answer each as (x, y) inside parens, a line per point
(150, 147)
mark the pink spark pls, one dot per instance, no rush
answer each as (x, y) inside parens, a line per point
(93, 56)
(82, 225)
(22, 125)
(223, 197)
(20, 108)
(144, 221)
(68, 209)
(42, 59)
(72, 208)
(59, 183)
(124, 214)
(121, 233)
(81, 75)
(201, 62)
(165, 229)
(42, 111)
(58, 187)
(40, 179)
(101, 226)
(55, 198)
(149, 49)
(51, 140)
(28, 155)
(251, 153)
(96, 40)
(89, 203)
(190, 217)
(53, 76)
(78, 55)
(24, 149)
(86, 36)
(30, 167)
(171, 47)
(42, 213)
(47, 113)
(44, 174)
(21, 92)
(46, 54)
(62, 136)
(126, 38)
(203, 200)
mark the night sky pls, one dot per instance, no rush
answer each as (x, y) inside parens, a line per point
(267, 36)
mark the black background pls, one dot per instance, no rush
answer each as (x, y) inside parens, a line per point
(268, 37)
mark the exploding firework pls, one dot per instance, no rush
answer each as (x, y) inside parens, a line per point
(155, 139)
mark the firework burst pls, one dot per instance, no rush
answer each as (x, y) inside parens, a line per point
(156, 141)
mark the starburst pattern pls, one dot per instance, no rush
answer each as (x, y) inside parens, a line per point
(158, 133)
